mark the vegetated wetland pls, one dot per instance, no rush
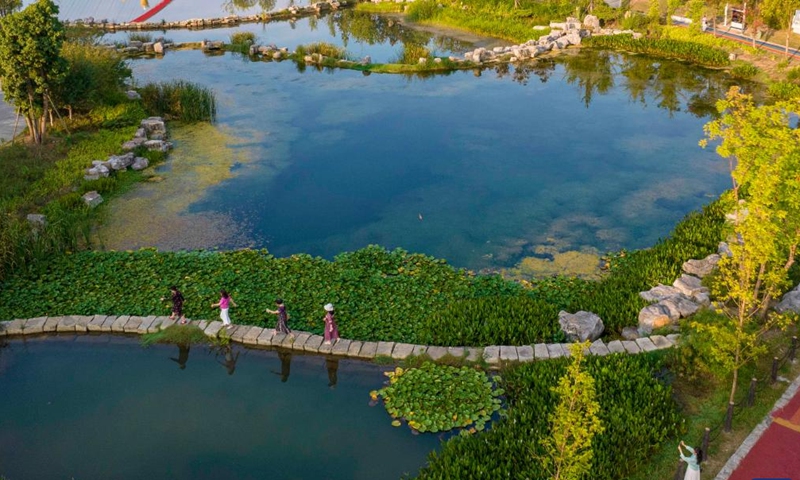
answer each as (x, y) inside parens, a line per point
(589, 151)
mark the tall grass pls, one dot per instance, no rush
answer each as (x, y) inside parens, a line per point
(411, 53)
(322, 48)
(243, 38)
(179, 100)
(140, 37)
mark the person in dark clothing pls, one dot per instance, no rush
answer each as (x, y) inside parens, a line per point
(283, 318)
(177, 304)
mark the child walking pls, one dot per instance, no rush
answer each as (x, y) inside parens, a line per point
(281, 326)
(331, 329)
(225, 301)
(177, 304)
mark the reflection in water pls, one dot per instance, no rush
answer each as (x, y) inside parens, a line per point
(332, 364)
(183, 356)
(230, 359)
(236, 6)
(286, 364)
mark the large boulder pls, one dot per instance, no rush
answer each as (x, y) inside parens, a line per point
(724, 250)
(581, 326)
(154, 125)
(134, 143)
(701, 268)
(659, 292)
(591, 22)
(689, 285)
(654, 316)
(790, 302)
(140, 163)
(158, 145)
(681, 305)
(120, 162)
(92, 199)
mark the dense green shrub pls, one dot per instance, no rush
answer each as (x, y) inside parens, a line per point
(411, 53)
(179, 100)
(636, 408)
(744, 70)
(784, 90)
(665, 47)
(95, 77)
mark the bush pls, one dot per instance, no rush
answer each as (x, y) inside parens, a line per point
(784, 90)
(744, 70)
(243, 38)
(140, 37)
(667, 48)
(95, 77)
(322, 48)
(411, 53)
(179, 100)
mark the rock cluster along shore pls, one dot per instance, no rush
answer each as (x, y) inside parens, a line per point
(303, 341)
(229, 21)
(151, 134)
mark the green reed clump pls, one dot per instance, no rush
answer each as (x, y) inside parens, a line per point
(322, 48)
(243, 38)
(177, 334)
(179, 100)
(744, 70)
(663, 47)
(140, 37)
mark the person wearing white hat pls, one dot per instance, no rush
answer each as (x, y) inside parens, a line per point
(331, 329)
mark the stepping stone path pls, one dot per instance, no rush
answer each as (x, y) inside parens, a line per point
(494, 356)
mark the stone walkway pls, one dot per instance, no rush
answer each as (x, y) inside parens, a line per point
(303, 341)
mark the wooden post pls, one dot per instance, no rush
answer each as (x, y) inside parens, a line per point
(729, 417)
(774, 374)
(704, 445)
(751, 393)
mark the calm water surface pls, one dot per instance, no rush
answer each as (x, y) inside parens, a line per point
(104, 407)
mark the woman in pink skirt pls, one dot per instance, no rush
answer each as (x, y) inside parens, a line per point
(331, 329)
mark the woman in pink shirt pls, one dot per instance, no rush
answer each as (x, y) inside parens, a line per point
(225, 301)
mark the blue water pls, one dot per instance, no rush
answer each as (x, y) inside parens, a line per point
(593, 150)
(103, 407)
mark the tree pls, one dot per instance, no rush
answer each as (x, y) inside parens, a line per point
(31, 65)
(782, 13)
(762, 147)
(574, 422)
(9, 6)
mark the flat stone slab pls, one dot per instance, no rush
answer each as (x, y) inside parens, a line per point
(419, 350)
(119, 323)
(384, 349)
(474, 353)
(201, 324)
(239, 333)
(436, 353)
(213, 328)
(401, 351)
(3, 332)
(631, 346)
(167, 322)
(51, 324)
(34, 325)
(265, 336)
(355, 347)
(251, 337)
(341, 347)
(368, 350)
(491, 354)
(509, 353)
(566, 347)
(555, 350)
(144, 327)
(616, 347)
(108, 323)
(646, 344)
(525, 353)
(155, 325)
(82, 322)
(66, 324)
(300, 339)
(675, 338)
(313, 343)
(457, 352)
(96, 325)
(660, 341)
(278, 338)
(325, 347)
(540, 351)
(599, 348)
(132, 325)
(15, 327)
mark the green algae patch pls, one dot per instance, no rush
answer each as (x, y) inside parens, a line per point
(582, 264)
(155, 213)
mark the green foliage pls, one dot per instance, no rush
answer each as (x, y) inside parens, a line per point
(437, 398)
(95, 76)
(9, 6)
(793, 75)
(744, 70)
(31, 65)
(574, 423)
(179, 100)
(177, 334)
(143, 37)
(383, 7)
(666, 48)
(321, 48)
(505, 320)
(783, 90)
(243, 38)
(690, 35)
(637, 410)
(635, 21)
(411, 53)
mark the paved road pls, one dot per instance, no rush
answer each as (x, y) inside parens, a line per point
(776, 455)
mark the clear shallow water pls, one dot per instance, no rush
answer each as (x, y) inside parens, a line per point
(104, 407)
(592, 150)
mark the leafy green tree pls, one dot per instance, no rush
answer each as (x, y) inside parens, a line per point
(781, 12)
(573, 423)
(762, 147)
(9, 6)
(31, 65)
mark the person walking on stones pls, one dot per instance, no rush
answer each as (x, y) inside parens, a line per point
(331, 329)
(177, 304)
(283, 318)
(692, 466)
(224, 303)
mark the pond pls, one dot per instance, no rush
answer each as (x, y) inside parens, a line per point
(105, 407)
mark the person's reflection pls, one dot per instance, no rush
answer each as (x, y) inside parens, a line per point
(286, 364)
(332, 364)
(183, 355)
(230, 359)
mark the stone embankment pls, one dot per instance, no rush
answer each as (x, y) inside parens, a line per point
(306, 342)
(200, 23)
